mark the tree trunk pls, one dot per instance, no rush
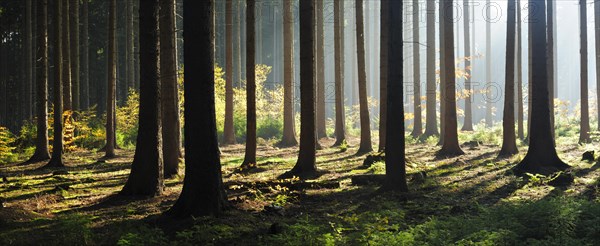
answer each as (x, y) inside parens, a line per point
(306, 164)
(450, 146)
(468, 123)
(289, 131)
(443, 87)
(169, 91)
(395, 163)
(112, 80)
(384, 70)
(489, 117)
(597, 33)
(66, 68)
(57, 144)
(250, 157)
(146, 177)
(509, 143)
(129, 38)
(418, 124)
(29, 70)
(520, 126)
(584, 130)
(551, 61)
(74, 39)
(41, 142)
(203, 192)
(365, 122)
(541, 156)
(320, 70)
(85, 59)
(228, 131)
(431, 125)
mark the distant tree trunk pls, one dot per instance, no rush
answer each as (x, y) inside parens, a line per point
(250, 157)
(129, 38)
(66, 68)
(85, 59)
(146, 177)
(169, 91)
(530, 82)
(74, 34)
(57, 144)
(509, 143)
(238, 42)
(520, 126)
(584, 130)
(289, 131)
(551, 60)
(443, 88)
(28, 43)
(320, 70)
(418, 124)
(384, 70)
(306, 164)
(489, 117)
(41, 141)
(136, 45)
(228, 131)
(395, 163)
(450, 147)
(365, 122)
(541, 156)
(597, 33)
(203, 192)
(468, 123)
(431, 125)
(112, 80)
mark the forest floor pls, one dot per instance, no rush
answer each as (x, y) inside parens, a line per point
(461, 200)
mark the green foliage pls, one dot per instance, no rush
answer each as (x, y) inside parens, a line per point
(205, 234)
(127, 120)
(269, 128)
(6, 148)
(73, 228)
(143, 235)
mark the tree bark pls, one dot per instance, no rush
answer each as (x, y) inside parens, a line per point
(29, 69)
(520, 126)
(468, 122)
(289, 131)
(443, 88)
(597, 34)
(146, 177)
(74, 40)
(306, 164)
(584, 127)
(431, 125)
(450, 147)
(509, 143)
(169, 91)
(365, 122)
(66, 46)
(395, 163)
(418, 124)
(551, 62)
(129, 38)
(320, 70)
(85, 60)
(203, 192)
(56, 159)
(541, 156)
(112, 80)
(250, 157)
(384, 69)
(41, 143)
(228, 131)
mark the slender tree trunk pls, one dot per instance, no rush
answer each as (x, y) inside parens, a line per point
(384, 70)
(169, 90)
(306, 164)
(146, 177)
(29, 70)
(85, 59)
(395, 163)
(129, 38)
(597, 33)
(418, 124)
(74, 39)
(530, 82)
(112, 80)
(203, 192)
(551, 61)
(365, 122)
(66, 46)
(541, 156)
(136, 44)
(584, 130)
(57, 144)
(489, 115)
(431, 125)
(520, 126)
(250, 157)
(443, 88)
(238, 42)
(41, 142)
(228, 131)
(289, 131)
(468, 123)
(509, 143)
(320, 70)
(450, 147)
